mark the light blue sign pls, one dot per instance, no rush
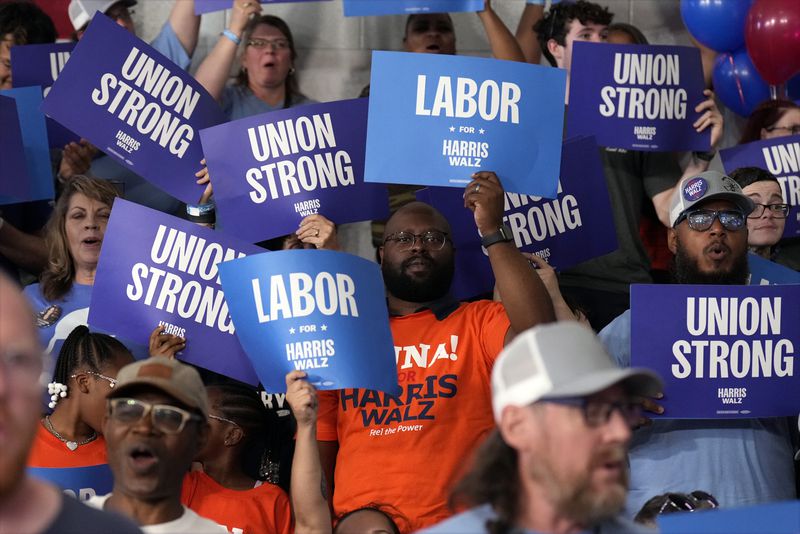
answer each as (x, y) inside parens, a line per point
(436, 120)
(775, 518)
(764, 272)
(83, 483)
(320, 311)
(34, 140)
(360, 8)
(723, 351)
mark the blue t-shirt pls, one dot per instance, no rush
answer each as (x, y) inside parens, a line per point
(473, 521)
(739, 461)
(63, 315)
(239, 101)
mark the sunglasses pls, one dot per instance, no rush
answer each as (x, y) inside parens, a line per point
(166, 418)
(701, 220)
(681, 502)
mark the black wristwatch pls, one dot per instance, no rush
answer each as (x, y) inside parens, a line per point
(705, 156)
(502, 235)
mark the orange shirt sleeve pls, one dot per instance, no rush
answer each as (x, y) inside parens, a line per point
(326, 416)
(493, 323)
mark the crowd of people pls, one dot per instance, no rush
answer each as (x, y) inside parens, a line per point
(540, 425)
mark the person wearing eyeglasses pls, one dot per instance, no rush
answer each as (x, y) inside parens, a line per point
(85, 374)
(556, 461)
(742, 461)
(771, 119)
(266, 79)
(415, 443)
(766, 222)
(155, 424)
(28, 504)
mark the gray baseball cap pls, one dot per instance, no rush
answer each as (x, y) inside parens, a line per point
(705, 186)
(82, 11)
(559, 360)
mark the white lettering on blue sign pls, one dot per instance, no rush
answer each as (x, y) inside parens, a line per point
(731, 316)
(651, 103)
(491, 100)
(326, 293)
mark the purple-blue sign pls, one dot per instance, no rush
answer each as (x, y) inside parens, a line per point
(575, 226)
(723, 351)
(766, 273)
(775, 518)
(40, 65)
(208, 6)
(158, 269)
(638, 97)
(34, 139)
(317, 310)
(14, 178)
(135, 105)
(270, 171)
(435, 120)
(359, 8)
(82, 483)
(781, 157)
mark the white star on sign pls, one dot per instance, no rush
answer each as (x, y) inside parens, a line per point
(482, 131)
(452, 128)
(324, 327)
(291, 330)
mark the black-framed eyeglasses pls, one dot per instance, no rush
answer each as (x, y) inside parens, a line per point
(779, 211)
(431, 240)
(701, 220)
(275, 44)
(597, 413)
(681, 502)
(166, 418)
(793, 130)
(120, 12)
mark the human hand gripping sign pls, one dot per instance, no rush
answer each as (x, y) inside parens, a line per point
(164, 344)
(484, 197)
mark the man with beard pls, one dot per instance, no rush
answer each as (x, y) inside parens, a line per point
(556, 461)
(155, 425)
(406, 450)
(742, 461)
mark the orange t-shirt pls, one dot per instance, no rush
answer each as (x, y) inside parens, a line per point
(407, 451)
(264, 509)
(49, 451)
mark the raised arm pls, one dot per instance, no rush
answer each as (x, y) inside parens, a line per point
(526, 37)
(501, 40)
(213, 71)
(310, 506)
(523, 294)
(185, 24)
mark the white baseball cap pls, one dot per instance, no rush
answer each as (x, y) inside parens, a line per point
(560, 360)
(82, 11)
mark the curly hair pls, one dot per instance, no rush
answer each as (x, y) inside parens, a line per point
(493, 479)
(765, 115)
(291, 85)
(555, 23)
(57, 278)
(26, 23)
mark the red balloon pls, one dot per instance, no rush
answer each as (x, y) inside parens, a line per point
(772, 35)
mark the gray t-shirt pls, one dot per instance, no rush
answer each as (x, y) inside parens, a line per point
(631, 177)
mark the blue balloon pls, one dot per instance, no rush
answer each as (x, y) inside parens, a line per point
(717, 24)
(737, 83)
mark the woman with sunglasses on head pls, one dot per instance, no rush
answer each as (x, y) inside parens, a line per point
(85, 372)
(766, 222)
(266, 80)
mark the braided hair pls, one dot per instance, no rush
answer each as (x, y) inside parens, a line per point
(85, 349)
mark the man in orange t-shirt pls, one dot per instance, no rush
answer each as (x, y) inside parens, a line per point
(406, 450)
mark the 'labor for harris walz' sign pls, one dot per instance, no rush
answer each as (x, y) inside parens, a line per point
(436, 120)
(135, 105)
(723, 351)
(637, 97)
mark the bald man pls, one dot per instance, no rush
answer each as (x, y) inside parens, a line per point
(27, 504)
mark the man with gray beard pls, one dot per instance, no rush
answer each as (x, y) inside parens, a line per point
(556, 463)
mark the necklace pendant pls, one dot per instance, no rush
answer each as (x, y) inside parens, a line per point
(71, 445)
